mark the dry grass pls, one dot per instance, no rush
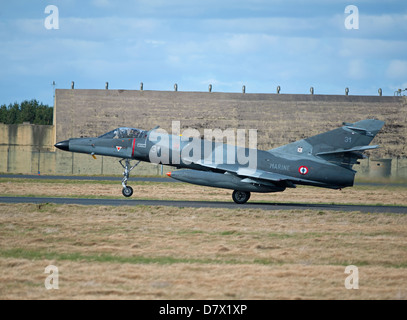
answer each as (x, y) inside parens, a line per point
(189, 253)
(182, 191)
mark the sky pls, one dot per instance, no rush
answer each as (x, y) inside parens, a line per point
(261, 44)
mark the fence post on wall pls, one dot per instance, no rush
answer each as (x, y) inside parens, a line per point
(39, 161)
(8, 159)
(397, 166)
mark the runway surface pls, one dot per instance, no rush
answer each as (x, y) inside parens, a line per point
(190, 204)
(143, 179)
(90, 178)
(207, 204)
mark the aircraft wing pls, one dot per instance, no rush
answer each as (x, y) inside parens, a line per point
(255, 175)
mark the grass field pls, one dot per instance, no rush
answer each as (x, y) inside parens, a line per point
(199, 253)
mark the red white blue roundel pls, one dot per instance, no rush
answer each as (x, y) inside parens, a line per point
(303, 170)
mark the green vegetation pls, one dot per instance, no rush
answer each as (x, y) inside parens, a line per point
(27, 111)
(20, 253)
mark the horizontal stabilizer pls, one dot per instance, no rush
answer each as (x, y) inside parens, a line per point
(361, 130)
(355, 149)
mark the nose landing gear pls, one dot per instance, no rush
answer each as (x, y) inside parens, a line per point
(127, 190)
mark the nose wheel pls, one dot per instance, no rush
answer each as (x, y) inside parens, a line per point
(127, 191)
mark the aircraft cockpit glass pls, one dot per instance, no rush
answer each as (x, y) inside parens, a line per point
(123, 133)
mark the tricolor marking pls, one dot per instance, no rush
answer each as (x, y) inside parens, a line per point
(303, 170)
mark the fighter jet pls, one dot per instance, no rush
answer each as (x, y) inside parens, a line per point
(325, 160)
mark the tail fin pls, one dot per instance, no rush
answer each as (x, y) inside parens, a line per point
(343, 146)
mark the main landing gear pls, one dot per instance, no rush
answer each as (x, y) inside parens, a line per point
(240, 197)
(127, 190)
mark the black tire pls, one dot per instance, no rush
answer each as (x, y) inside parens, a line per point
(240, 197)
(127, 192)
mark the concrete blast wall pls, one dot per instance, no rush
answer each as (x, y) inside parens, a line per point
(27, 148)
(279, 119)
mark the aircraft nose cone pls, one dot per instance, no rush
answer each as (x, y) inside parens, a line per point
(63, 145)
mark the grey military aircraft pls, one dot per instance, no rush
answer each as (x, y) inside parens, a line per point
(325, 160)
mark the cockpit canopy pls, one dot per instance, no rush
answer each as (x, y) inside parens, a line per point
(124, 133)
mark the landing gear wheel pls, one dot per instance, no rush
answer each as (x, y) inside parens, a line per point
(240, 197)
(128, 191)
